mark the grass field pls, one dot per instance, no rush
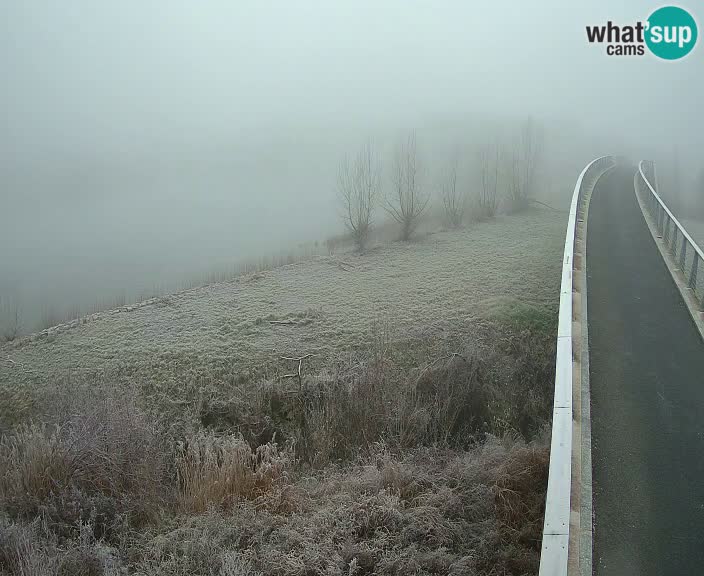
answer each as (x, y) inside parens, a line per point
(419, 290)
(181, 436)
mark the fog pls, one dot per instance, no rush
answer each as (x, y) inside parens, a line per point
(146, 144)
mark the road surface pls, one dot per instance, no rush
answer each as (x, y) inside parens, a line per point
(647, 385)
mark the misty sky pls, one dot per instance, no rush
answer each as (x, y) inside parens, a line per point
(140, 135)
(104, 77)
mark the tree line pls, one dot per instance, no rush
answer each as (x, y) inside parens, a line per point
(506, 175)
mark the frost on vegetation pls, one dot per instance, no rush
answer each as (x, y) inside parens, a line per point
(386, 416)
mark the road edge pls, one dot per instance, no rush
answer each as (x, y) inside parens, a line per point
(581, 522)
(561, 539)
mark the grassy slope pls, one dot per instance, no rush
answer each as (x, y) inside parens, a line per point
(223, 330)
(386, 460)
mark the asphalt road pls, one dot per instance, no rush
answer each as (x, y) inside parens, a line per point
(647, 385)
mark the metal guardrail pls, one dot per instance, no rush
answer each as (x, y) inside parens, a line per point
(556, 527)
(686, 253)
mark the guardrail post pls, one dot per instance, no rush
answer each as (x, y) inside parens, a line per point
(666, 233)
(660, 219)
(683, 253)
(665, 226)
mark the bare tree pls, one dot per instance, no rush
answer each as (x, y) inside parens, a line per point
(359, 184)
(698, 203)
(517, 192)
(9, 319)
(674, 188)
(406, 202)
(453, 200)
(523, 166)
(489, 173)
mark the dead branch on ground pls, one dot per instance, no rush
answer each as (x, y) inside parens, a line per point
(296, 374)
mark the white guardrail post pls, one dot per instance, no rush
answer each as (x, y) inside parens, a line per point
(558, 544)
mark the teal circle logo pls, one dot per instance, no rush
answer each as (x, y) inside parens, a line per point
(671, 33)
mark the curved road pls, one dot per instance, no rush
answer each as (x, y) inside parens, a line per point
(646, 364)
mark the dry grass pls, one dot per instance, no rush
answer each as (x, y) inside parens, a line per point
(368, 466)
(429, 511)
(207, 340)
(502, 385)
(161, 439)
(104, 464)
(220, 470)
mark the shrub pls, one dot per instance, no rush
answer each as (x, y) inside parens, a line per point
(106, 463)
(381, 465)
(217, 471)
(17, 404)
(35, 460)
(24, 551)
(452, 401)
(425, 511)
(32, 549)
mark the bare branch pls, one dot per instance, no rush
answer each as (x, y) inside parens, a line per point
(406, 203)
(359, 184)
(489, 158)
(453, 200)
(9, 319)
(523, 167)
(296, 374)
